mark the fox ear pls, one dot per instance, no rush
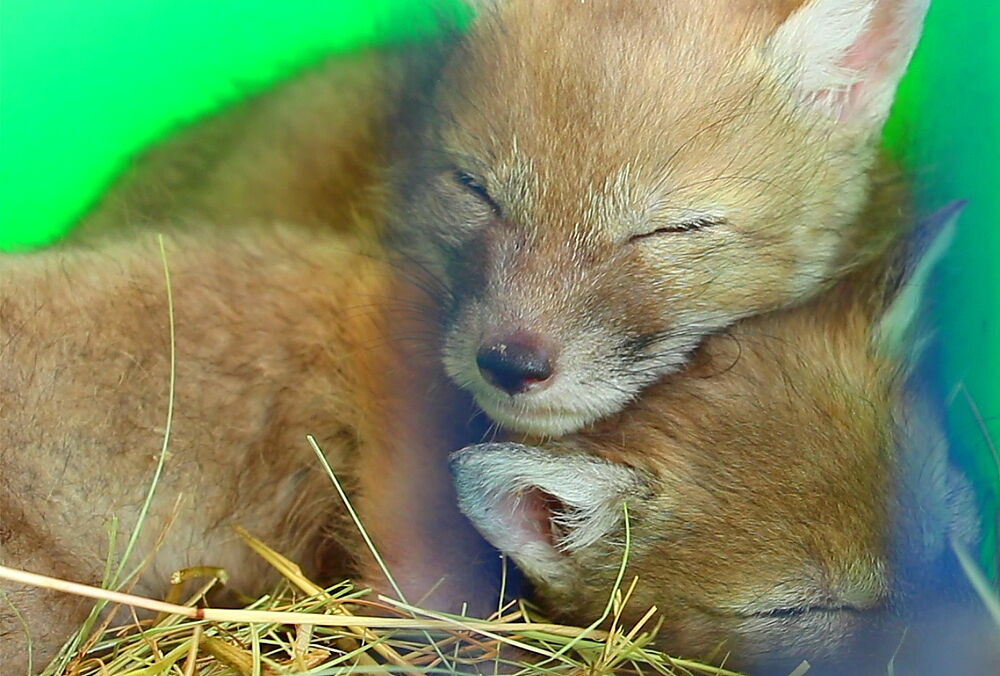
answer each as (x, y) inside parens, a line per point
(920, 251)
(540, 506)
(847, 56)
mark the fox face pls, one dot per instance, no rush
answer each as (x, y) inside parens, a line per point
(776, 492)
(597, 186)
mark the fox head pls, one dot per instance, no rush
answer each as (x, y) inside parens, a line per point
(775, 490)
(598, 185)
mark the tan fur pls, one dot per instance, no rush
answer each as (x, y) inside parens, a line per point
(770, 462)
(788, 492)
(588, 123)
(280, 333)
(584, 136)
(591, 123)
(310, 151)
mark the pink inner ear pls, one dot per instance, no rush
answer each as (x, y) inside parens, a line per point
(877, 55)
(531, 513)
(876, 45)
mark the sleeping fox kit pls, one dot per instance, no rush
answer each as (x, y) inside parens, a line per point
(279, 333)
(591, 187)
(782, 492)
(789, 497)
(601, 184)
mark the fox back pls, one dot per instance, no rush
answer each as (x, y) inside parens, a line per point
(280, 332)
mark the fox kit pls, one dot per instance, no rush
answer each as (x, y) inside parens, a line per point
(599, 185)
(280, 333)
(591, 187)
(782, 493)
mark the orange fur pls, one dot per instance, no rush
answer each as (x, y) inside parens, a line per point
(311, 151)
(642, 174)
(281, 332)
(588, 124)
(787, 494)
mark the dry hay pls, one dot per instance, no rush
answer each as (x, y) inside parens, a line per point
(301, 628)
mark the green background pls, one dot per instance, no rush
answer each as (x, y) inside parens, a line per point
(85, 84)
(946, 125)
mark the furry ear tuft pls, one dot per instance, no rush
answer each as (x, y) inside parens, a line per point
(540, 506)
(846, 57)
(921, 250)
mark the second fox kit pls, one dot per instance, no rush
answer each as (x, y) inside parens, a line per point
(758, 483)
(602, 184)
(789, 496)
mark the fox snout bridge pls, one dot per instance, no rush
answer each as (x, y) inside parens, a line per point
(516, 364)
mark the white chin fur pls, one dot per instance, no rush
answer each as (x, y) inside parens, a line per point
(556, 411)
(544, 416)
(540, 423)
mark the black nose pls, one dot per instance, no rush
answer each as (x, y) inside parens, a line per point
(516, 364)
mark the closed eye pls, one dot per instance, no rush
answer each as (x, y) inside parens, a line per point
(797, 611)
(690, 225)
(476, 187)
